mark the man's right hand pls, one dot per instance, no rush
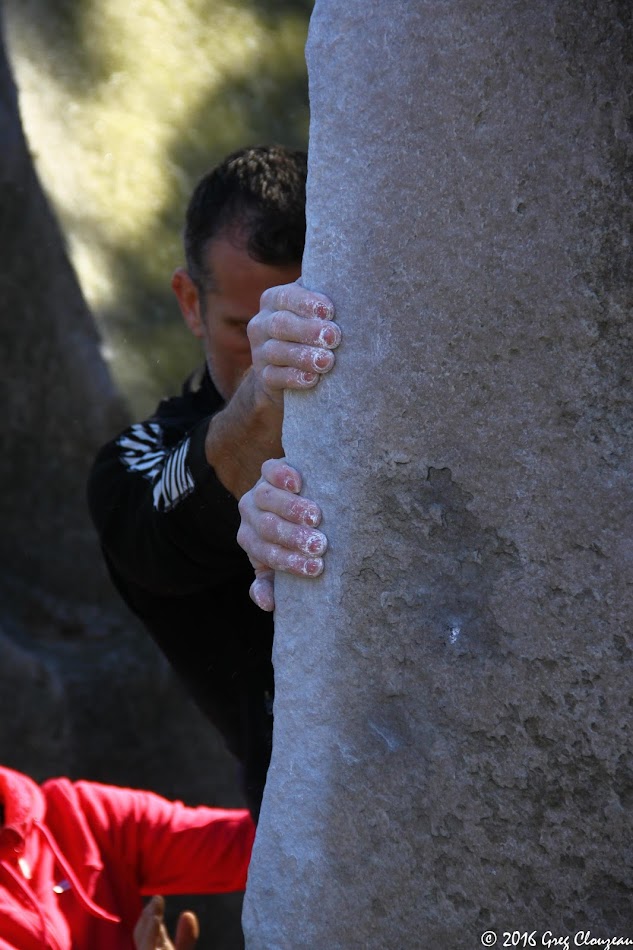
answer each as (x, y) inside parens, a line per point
(278, 530)
(292, 338)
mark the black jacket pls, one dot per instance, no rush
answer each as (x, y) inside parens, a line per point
(167, 528)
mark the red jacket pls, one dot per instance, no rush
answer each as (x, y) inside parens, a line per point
(76, 857)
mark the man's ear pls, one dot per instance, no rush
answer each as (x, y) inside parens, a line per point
(188, 299)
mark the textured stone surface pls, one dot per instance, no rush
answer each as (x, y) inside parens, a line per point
(452, 746)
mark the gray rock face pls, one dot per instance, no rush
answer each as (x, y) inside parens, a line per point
(452, 749)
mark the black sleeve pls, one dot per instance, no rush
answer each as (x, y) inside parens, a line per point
(165, 521)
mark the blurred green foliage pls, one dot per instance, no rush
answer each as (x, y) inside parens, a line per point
(126, 103)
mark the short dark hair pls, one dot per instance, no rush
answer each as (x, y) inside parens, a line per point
(259, 191)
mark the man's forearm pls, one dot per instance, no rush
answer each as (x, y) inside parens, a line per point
(243, 435)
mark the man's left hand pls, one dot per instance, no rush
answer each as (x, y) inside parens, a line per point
(279, 530)
(150, 932)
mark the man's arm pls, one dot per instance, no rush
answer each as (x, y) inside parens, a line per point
(292, 339)
(163, 504)
(171, 848)
(279, 530)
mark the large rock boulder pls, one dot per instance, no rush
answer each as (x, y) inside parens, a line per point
(452, 747)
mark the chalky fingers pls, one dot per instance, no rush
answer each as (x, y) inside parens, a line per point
(291, 507)
(298, 300)
(262, 590)
(282, 546)
(281, 559)
(296, 538)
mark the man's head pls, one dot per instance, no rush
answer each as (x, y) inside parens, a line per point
(259, 192)
(244, 232)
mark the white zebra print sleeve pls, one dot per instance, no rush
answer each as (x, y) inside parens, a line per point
(143, 451)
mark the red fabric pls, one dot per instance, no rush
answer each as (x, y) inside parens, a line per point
(105, 847)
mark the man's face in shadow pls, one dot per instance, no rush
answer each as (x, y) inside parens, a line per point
(219, 311)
